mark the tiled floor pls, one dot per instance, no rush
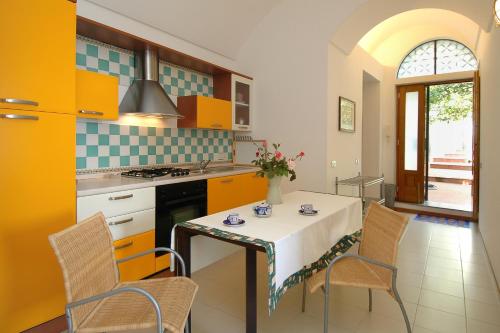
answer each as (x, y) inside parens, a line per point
(444, 280)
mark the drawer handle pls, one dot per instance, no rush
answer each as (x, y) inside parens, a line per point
(18, 116)
(225, 181)
(121, 197)
(94, 113)
(216, 125)
(122, 221)
(119, 247)
(18, 101)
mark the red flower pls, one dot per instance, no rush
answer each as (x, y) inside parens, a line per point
(257, 153)
(278, 155)
(301, 154)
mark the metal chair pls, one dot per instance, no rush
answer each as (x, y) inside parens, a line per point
(374, 266)
(98, 302)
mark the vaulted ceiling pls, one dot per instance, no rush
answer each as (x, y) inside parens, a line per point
(224, 26)
(373, 12)
(221, 26)
(389, 41)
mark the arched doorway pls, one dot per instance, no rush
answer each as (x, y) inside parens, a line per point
(435, 128)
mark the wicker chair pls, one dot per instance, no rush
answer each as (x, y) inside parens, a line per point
(374, 266)
(98, 302)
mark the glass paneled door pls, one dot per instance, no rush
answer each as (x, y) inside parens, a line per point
(410, 144)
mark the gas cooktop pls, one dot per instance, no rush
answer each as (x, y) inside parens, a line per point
(156, 172)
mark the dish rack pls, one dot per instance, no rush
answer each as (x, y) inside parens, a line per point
(362, 182)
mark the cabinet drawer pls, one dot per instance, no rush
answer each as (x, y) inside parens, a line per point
(131, 224)
(116, 203)
(162, 262)
(141, 267)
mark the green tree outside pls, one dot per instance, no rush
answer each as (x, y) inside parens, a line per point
(450, 102)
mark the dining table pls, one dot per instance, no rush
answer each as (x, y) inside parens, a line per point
(296, 245)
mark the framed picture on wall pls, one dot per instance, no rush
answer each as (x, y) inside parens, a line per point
(347, 115)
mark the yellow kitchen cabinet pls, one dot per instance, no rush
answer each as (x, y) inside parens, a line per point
(222, 193)
(37, 198)
(233, 191)
(96, 95)
(37, 62)
(256, 188)
(162, 262)
(204, 112)
(141, 267)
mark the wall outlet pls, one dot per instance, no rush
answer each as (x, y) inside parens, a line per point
(333, 164)
(220, 157)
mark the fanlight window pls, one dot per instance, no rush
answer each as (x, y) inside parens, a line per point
(437, 57)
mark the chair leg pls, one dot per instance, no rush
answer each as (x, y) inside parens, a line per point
(304, 293)
(401, 305)
(326, 290)
(187, 329)
(370, 299)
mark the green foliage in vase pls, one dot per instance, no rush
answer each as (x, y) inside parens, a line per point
(275, 164)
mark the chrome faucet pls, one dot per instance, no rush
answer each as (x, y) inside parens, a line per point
(203, 165)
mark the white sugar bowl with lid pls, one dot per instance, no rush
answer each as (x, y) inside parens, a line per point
(263, 210)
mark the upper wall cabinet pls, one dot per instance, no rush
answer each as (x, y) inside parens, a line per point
(37, 62)
(238, 90)
(96, 95)
(204, 112)
(241, 97)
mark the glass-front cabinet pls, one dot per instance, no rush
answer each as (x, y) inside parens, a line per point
(241, 96)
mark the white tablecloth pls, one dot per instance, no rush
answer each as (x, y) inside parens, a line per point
(299, 240)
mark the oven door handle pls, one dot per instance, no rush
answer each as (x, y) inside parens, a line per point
(182, 200)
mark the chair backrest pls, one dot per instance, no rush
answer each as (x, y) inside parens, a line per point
(382, 231)
(85, 254)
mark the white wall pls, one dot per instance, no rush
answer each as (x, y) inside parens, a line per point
(345, 78)
(489, 222)
(287, 54)
(371, 155)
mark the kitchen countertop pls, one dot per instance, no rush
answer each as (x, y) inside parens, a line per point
(107, 183)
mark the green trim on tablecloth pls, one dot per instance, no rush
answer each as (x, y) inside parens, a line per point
(275, 294)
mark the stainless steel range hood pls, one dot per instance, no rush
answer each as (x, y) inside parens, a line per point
(146, 97)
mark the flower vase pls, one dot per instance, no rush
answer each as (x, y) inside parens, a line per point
(274, 191)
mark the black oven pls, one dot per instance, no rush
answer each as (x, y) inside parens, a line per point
(177, 203)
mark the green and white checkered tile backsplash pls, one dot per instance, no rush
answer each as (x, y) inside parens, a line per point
(103, 145)
(102, 58)
(98, 57)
